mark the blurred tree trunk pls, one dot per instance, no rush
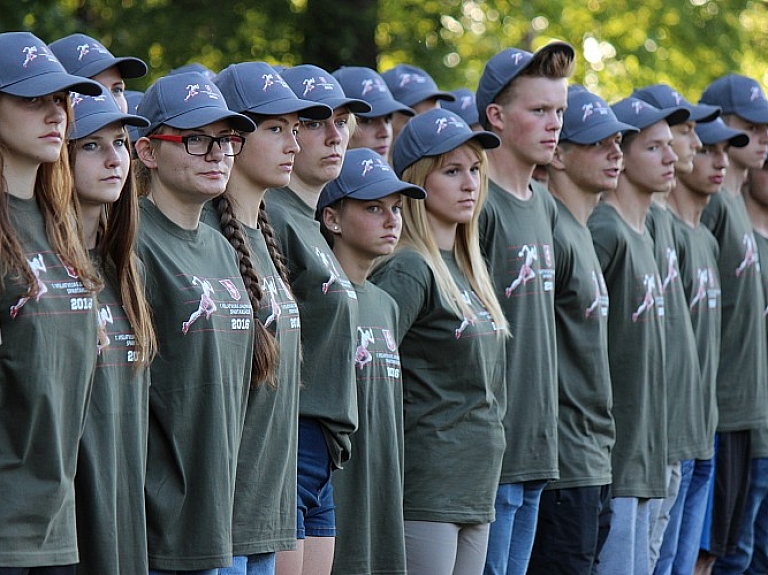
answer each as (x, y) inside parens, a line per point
(340, 33)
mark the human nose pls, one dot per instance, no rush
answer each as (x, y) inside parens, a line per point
(332, 133)
(670, 156)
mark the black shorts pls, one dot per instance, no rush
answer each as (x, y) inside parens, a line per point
(729, 492)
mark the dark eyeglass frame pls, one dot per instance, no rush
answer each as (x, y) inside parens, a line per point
(234, 138)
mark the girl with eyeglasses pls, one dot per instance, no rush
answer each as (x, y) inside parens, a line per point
(203, 320)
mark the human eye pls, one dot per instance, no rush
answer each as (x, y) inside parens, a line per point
(398, 209)
(312, 125)
(361, 121)
(374, 209)
(120, 142)
(341, 122)
(450, 171)
(197, 139)
(89, 146)
(118, 89)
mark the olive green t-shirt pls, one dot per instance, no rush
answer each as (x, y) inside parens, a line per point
(453, 395)
(685, 410)
(197, 401)
(586, 430)
(328, 309)
(516, 239)
(109, 485)
(742, 377)
(701, 282)
(265, 487)
(635, 355)
(759, 437)
(368, 492)
(48, 351)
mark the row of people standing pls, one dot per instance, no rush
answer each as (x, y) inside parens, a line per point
(226, 420)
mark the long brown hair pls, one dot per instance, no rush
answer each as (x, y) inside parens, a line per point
(115, 243)
(54, 193)
(265, 349)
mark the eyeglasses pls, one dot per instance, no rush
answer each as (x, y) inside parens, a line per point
(201, 145)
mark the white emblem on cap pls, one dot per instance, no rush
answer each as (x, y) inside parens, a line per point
(443, 122)
(407, 78)
(638, 106)
(678, 98)
(269, 80)
(76, 98)
(370, 163)
(194, 89)
(516, 57)
(33, 52)
(755, 94)
(466, 102)
(371, 84)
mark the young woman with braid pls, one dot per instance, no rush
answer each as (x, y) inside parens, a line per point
(265, 490)
(109, 485)
(48, 336)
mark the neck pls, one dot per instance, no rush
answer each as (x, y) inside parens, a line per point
(91, 216)
(308, 193)
(578, 201)
(509, 172)
(687, 204)
(444, 233)
(734, 179)
(186, 216)
(661, 198)
(355, 265)
(631, 203)
(246, 198)
(20, 178)
(758, 214)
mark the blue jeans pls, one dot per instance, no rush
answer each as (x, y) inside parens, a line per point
(193, 572)
(680, 547)
(258, 564)
(626, 551)
(511, 538)
(739, 561)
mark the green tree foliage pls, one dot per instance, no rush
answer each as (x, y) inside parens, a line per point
(621, 44)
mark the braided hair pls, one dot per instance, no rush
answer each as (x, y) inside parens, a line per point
(265, 349)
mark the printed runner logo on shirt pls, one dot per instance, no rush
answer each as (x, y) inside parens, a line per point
(362, 356)
(672, 271)
(105, 317)
(750, 254)
(206, 306)
(601, 296)
(650, 300)
(37, 265)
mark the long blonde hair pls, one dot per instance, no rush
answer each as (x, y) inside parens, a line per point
(418, 235)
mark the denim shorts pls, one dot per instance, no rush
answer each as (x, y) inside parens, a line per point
(315, 515)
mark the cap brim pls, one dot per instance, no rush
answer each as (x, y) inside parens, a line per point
(384, 189)
(675, 116)
(704, 113)
(129, 67)
(756, 115)
(599, 133)
(305, 109)
(202, 117)
(387, 107)
(488, 140)
(51, 82)
(711, 134)
(416, 97)
(355, 106)
(95, 122)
